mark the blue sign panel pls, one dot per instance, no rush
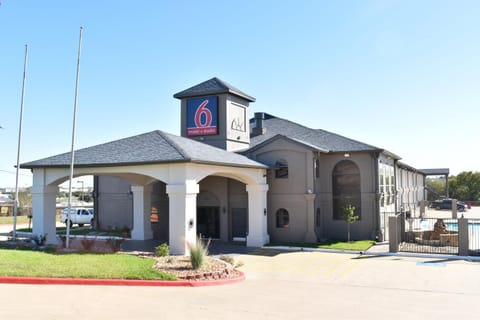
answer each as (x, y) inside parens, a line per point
(202, 116)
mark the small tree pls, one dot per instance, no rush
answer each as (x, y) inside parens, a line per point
(348, 213)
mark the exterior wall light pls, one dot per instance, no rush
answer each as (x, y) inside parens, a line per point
(346, 155)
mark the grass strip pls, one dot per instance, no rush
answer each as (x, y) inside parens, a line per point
(82, 231)
(24, 263)
(359, 245)
(9, 220)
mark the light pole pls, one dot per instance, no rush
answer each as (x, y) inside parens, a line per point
(82, 197)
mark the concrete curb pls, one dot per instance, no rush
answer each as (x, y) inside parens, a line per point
(313, 249)
(422, 255)
(119, 282)
(377, 253)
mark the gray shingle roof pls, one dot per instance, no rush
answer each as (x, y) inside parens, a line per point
(212, 87)
(152, 147)
(320, 140)
(435, 171)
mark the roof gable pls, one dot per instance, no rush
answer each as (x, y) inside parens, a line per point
(322, 140)
(212, 87)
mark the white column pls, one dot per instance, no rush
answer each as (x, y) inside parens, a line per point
(142, 229)
(44, 212)
(310, 235)
(182, 216)
(257, 215)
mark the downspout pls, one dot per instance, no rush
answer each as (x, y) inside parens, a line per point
(396, 183)
(95, 203)
(316, 157)
(378, 235)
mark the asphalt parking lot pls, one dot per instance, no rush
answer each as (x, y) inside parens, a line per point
(278, 285)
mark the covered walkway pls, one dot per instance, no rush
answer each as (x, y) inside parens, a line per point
(178, 162)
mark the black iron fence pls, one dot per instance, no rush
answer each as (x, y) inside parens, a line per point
(430, 235)
(434, 235)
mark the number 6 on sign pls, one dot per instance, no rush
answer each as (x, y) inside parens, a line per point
(202, 116)
(202, 110)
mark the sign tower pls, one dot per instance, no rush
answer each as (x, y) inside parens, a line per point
(216, 113)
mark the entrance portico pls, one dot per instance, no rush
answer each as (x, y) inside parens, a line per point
(181, 176)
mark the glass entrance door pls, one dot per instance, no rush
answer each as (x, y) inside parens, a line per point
(208, 222)
(239, 224)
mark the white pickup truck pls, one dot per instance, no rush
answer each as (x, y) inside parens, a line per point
(80, 216)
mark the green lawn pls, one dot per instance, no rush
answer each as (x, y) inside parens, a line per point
(9, 220)
(100, 266)
(359, 245)
(82, 231)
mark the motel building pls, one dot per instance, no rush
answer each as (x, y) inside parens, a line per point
(235, 179)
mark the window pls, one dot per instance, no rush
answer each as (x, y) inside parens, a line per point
(283, 218)
(346, 188)
(281, 169)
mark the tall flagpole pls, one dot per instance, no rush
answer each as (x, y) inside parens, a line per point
(15, 206)
(72, 153)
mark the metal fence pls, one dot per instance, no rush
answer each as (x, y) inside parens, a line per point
(384, 224)
(434, 235)
(473, 236)
(430, 235)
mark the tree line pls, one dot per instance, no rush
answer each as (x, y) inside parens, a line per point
(464, 186)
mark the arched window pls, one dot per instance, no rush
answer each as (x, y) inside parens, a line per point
(283, 218)
(346, 188)
(281, 169)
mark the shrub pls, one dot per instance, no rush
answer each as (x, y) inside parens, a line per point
(198, 253)
(162, 250)
(87, 243)
(38, 240)
(114, 243)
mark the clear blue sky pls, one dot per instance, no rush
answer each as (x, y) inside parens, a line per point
(400, 75)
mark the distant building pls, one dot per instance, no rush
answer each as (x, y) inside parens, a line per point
(6, 205)
(228, 177)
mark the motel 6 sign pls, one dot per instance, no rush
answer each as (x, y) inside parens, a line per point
(202, 116)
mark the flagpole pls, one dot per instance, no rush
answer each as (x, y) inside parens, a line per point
(72, 153)
(15, 205)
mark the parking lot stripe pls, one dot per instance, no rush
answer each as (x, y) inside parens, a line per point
(351, 265)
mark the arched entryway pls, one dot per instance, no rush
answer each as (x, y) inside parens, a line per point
(222, 209)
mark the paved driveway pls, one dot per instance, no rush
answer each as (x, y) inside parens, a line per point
(295, 285)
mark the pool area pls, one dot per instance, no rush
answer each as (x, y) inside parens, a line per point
(472, 227)
(473, 233)
(426, 225)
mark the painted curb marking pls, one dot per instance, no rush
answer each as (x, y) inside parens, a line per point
(119, 282)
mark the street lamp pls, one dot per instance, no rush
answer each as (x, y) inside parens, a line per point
(83, 197)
